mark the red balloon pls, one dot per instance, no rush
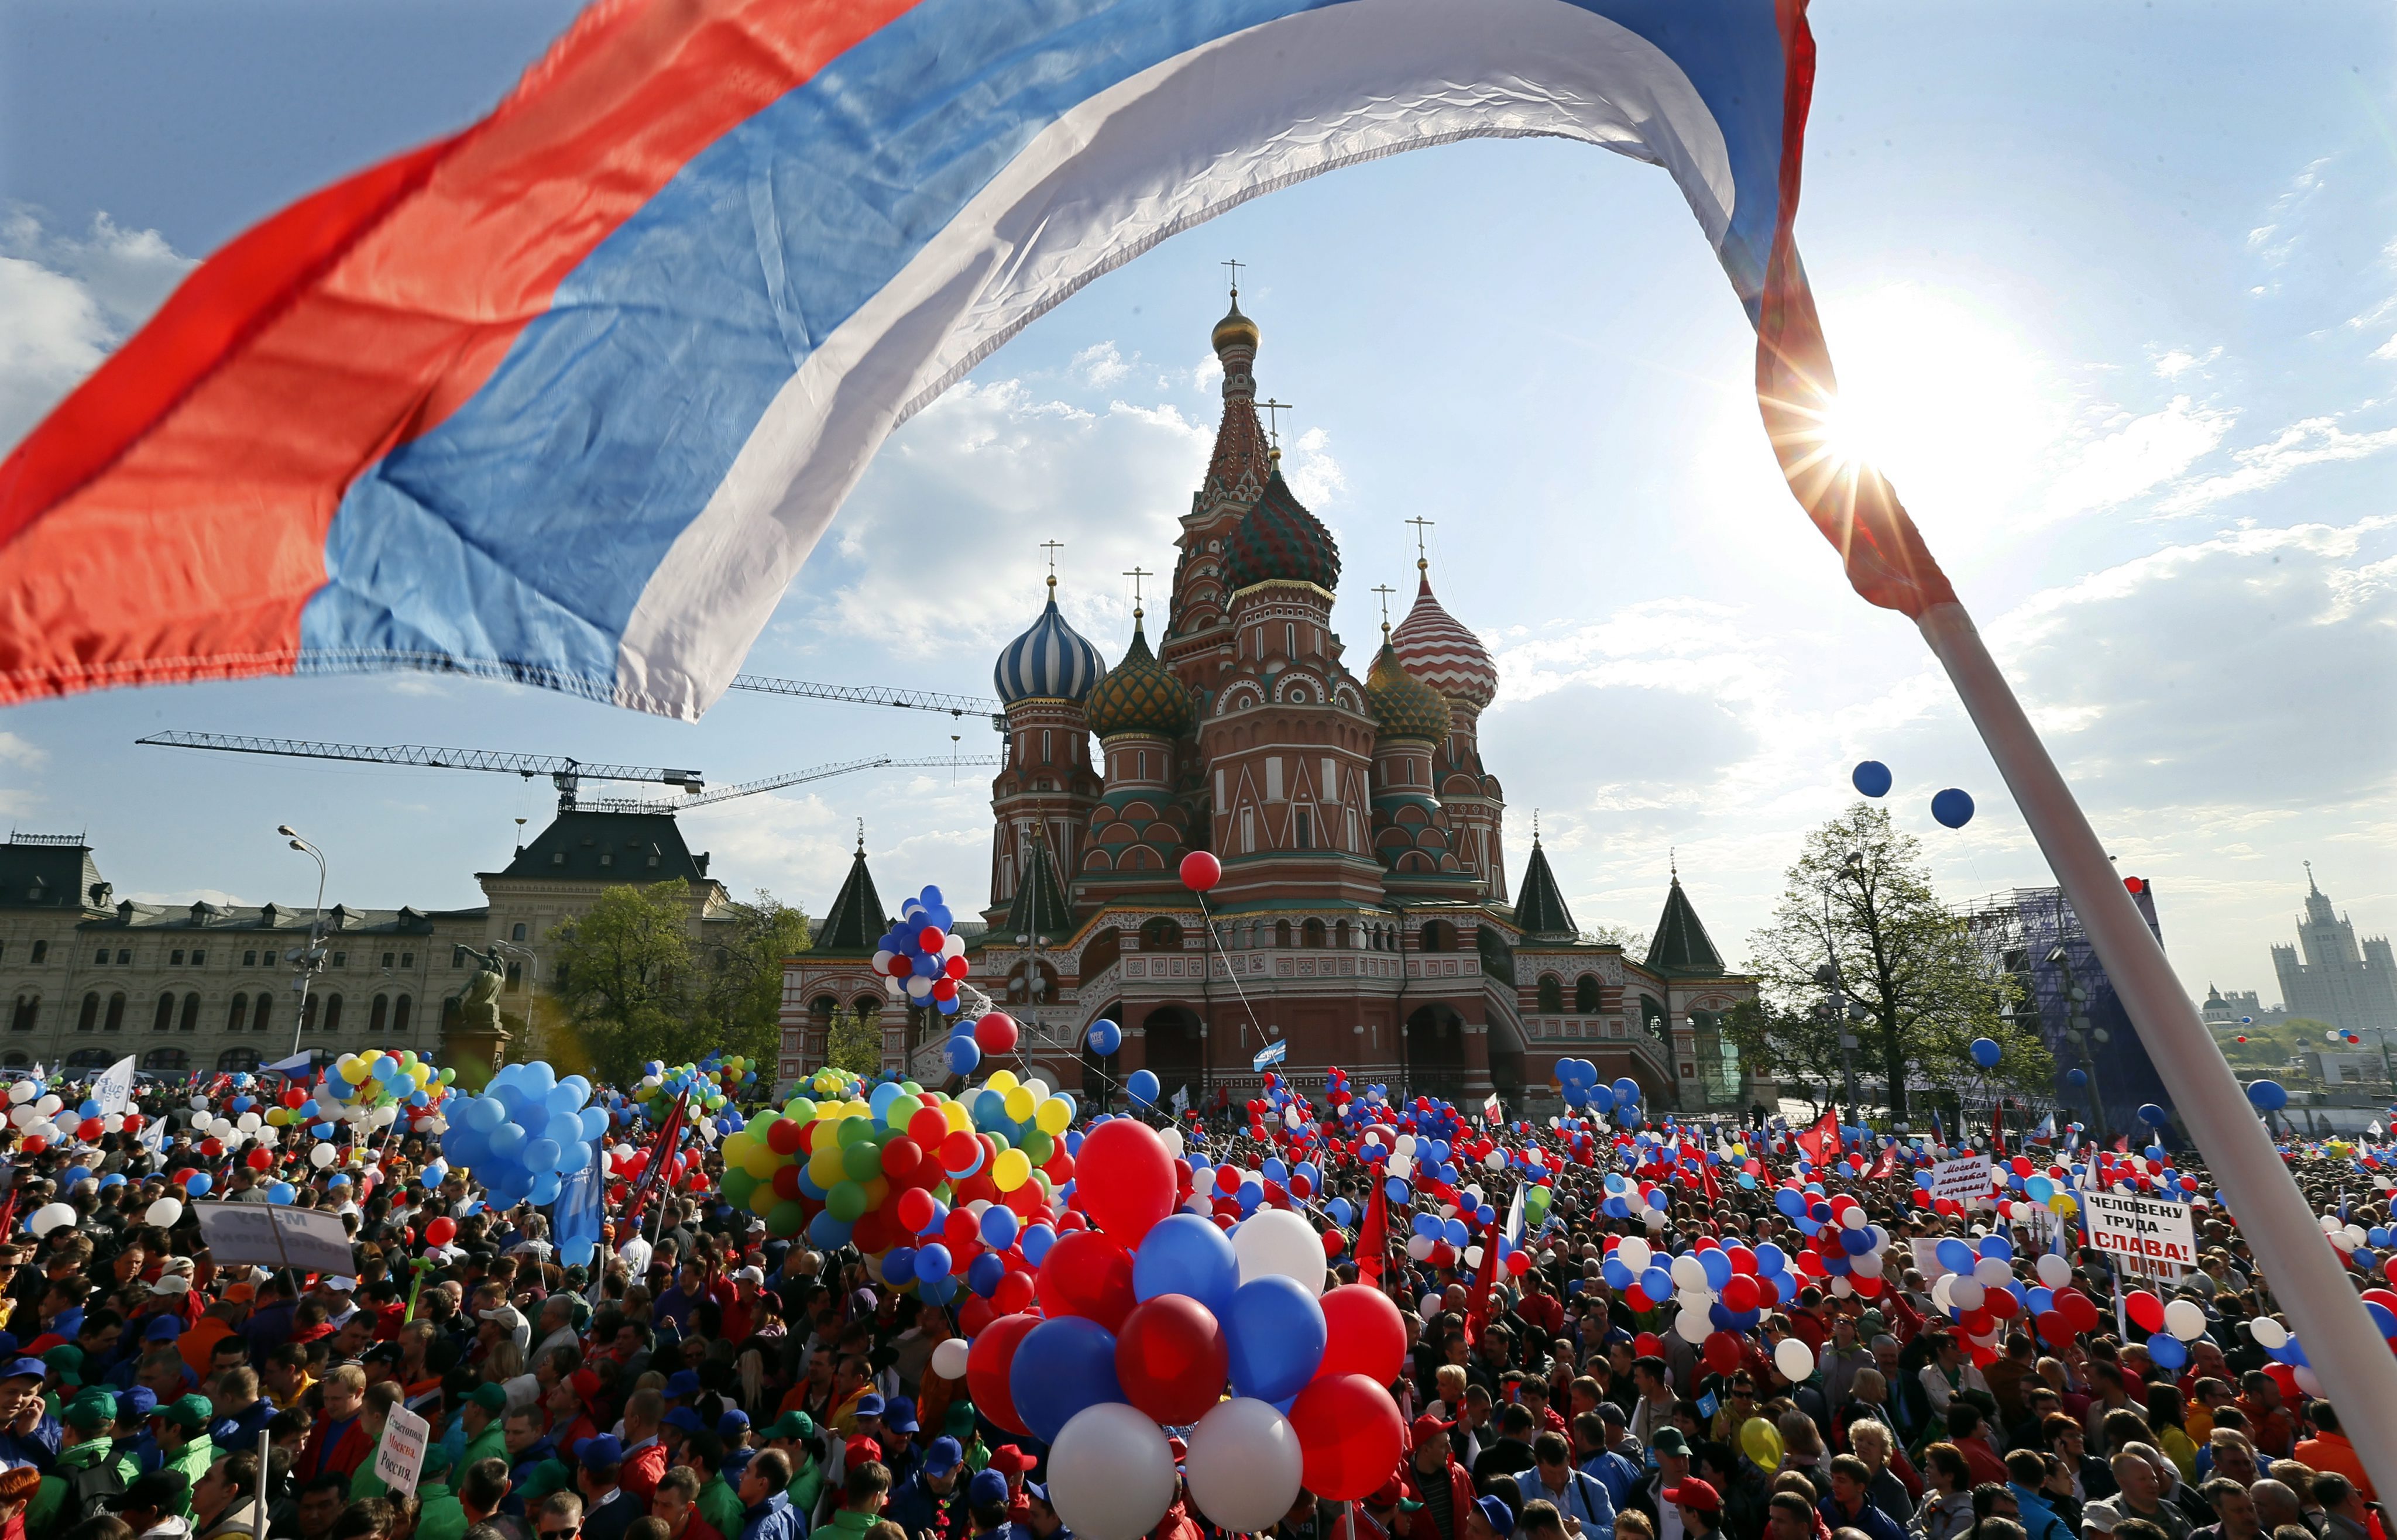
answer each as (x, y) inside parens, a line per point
(1014, 1292)
(1722, 1352)
(258, 1160)
(1743, 1261)
(1170, 1358)
(962, 1230)
(1334, 1243)
(2055, 1327)
(1089, 1273)
(1636, 1299)
(784, 1134)
(787, 1183)
(987, 1363)
(962, 1153)
(900, 1157)
(439, 1232)
(1201, 871)
(929, 939)
(996, 1033)
(1363, 1334)
(1739, 1293)
(2146, 1310)
(1349, 1435)
(915, 1210)
(1647, 1345)
(1126, 1178)
(976, 1314)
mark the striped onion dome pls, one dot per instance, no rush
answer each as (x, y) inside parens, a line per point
(1048, 661)
(1402, 705)
(1441, 653)
(1278, 538)
(1138, 695)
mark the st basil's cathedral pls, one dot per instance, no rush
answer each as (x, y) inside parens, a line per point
(1365, 918)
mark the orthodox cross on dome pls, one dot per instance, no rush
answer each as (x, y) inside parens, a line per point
(1274, 426)
(1136, 574)
(1423, 561)
(1053, 547)
(1535, 826)
(1236, 267)
(861, 837)
(1385, 591)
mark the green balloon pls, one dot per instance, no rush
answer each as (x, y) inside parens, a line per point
(846, 1202)
(800, 1108)
(738, 1185)
(1038, 1147)
(861, 1162)
(787, 1219)
(855, 1131)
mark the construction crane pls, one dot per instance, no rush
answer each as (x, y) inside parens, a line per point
(877, 695)
(567, 774)
(788, 778)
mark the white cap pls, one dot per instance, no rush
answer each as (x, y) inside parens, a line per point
(172, 1283)
(343, 1284)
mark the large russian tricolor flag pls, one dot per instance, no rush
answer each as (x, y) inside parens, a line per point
(568, 397)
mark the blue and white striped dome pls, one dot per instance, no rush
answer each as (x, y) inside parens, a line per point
(1050, 661)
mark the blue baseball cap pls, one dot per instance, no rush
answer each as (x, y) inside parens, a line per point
(900, 1414)
(733, 1422)
(987, 1487)
(685, 1418)
(945, 1455)
(35, 1369)
(600, 1449)
(137, 1403)
(682, 1384)
(1500, 1516)
(162, 1328)
(868, 1405)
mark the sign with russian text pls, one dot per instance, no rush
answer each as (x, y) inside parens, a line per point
(2141, 1235)
(1964, 1180)
(400, 1458)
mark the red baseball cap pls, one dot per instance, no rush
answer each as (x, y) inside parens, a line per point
(1694, 1493)
(1428, 1424)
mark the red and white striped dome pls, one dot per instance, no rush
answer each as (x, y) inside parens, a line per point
(1440, 652)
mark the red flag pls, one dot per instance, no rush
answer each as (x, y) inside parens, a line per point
(1822, 1141)
(1886, 1165)
(661, 1152)
(1714, 1188)
(1998, 1129)
(1373, 1238)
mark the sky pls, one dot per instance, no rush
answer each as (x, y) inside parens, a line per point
(2113, 288)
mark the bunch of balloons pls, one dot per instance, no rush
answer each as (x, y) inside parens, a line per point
(375, 1079)
(921, 959)
(41, 1118)
(1145, 1322)
(1577, 1079)
(712, 1085)
(527, 1130)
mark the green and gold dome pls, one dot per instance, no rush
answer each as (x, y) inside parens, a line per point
(1402, 705)
(1138, 695)
(1277, 539)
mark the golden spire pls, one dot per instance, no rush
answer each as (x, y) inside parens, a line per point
(1423, 561)
(1385, 591)
(1053, 547)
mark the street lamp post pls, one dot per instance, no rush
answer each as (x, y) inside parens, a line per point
(2080, 1034)
(306, 961)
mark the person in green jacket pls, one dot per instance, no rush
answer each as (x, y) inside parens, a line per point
(486, 1425)
(718, 1504)
(183, 1428)
(480, 1491)
(795, 1434)
(84, 1444)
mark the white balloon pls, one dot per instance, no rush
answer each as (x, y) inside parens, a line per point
(1689, 1272)
(1794, 1358)
(23, 1090)
(2269, 1334)
(1495, 1161)
(2308, 1381)
(1174, 1144)
(1406, 1145)
(1967, 1293)
(2055, 1271)
(199, 1103)
(113, 1123)
(2184, 1319)
(1939, 1290)
(949, 1358)
(1402, 1166)
(1418, 1246)
(23, 1116)
(1841, 1287)
(1473, 1256)
(49, 1107)
(1694, 1324)
(1243, 1464)
(1653, 1218)
(49, 1216)
(323, 1156)
(1633, 1253)
(250, 1122)
(164, 1212)
(1275, 1242)
(1428, 1306)
(1868, 1265)
(1111, 1473)
(1993, 1272)
(1700, 1300)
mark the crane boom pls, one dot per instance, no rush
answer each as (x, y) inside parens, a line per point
(564, 772)
(876, 695)
(789, 778)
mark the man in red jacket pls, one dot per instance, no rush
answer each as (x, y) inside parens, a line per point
(340, 1442)
(1433, 1478)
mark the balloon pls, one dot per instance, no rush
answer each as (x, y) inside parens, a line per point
(2267, 1095)
(1275, 1242)
(49, 1216)
(1365, 1335)
(996, 1033)
(1186, 1254)
(1793, 1359)
(1110, 1473)
(949, 1359)
(2167, 1350)
(1142, 1087)
(1125, 1179)
(1171, 1358)
(1351, 1430)
(2146, 1310)
(1244, 1465)
(439, 1231)
(1952, 808)
(2153, 1115)
(1986, 1052)
(1200, 871)
(1276, 1333)
(163, 1213)
(2184, 1320)
(1062, 1367)
(1722, 1353)
(2269, 1334)
(1087, 1274)
(1760, 1442)
(989, 1367)
(1105, 1037)
(1871, 778)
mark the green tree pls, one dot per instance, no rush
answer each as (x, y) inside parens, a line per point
(624, 979)
(1859, 897)
(737, 1002)
(855, 1042)
(1801, 1044)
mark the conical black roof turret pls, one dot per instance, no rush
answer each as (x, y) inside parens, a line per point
(1540, 906)
(1682, 945)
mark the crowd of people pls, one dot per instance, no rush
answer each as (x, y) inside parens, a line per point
(704, 1380)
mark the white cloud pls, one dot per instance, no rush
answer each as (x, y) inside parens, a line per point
(65, 302)
(1100, 366)
(1311, 471)
(2386, 349)
(15, 750)
(2172, 365)
(2274, 241)
(2142, 453)
(2314, 441)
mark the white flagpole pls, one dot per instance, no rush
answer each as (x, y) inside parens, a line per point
(2344, 1348)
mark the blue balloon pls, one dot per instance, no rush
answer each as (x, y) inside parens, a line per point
(2076, 1077)
(998, 1226)
(2154, 1115)
(2267, 1095)
(279, 1192)
(827, 1233)
(1657, 1283)
(933, 1260)
(1343, 1215)
(1985, 1053)
(1617, 1275)
(1394, 1189)
(1275, 1333)
(1718, 1265)
(1105, 1037)
(983, 1273)
(1142, 1088)
(1789, 1201)
(1626, 1091)
(1065, 1365)
(963, 1053)
(1952, 808)
(1036, 1240)
(1186, 1254)
(1770, 1259)
(2167, 1350)
(1956, 1256)
(1871, 777)
(199, 1185)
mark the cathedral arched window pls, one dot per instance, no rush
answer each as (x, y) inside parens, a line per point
(1281, 932)
(1585, 994)
(1312, 934)
(1339, 935)
(1552, 993)
(1439, 936)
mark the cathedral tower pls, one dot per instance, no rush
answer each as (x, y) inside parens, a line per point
(1443, 654)
(1048, 786)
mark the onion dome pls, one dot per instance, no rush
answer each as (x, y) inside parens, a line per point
(1402, 705)
(1049, 661)
(1440, 652)
(1235, 329)
(1278, 538)
(1138, 695)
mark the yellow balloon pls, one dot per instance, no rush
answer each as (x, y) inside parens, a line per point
(824, 1166)
(1761, 1442)
(1020, 1103)
(856, 1107)
(1001, 1080)
(1011, 1170)
(1053, 1116)
(736, 1146)
(876, 1189)
(762, 1200)
(761, 1161)
(960, 1121)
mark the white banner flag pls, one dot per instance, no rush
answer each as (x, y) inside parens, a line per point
(113, 1089)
